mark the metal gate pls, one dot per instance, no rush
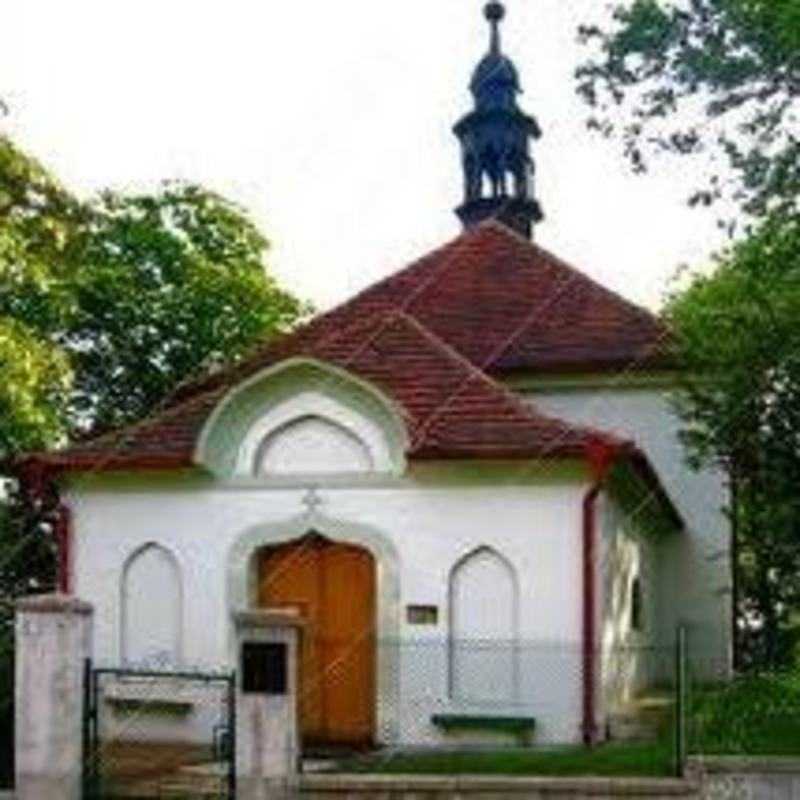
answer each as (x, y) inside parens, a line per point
(156, 734)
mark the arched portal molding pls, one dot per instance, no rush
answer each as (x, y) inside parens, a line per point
(243, 574)
(289, 392)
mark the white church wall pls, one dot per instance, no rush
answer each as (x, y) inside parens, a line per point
(494, 549)
(429, 524)
(634, 656)
(699, 592)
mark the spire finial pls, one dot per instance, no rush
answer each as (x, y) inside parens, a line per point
(495, 12)
(495, 138)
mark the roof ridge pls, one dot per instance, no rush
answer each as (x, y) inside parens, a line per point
(584, 281)
(262, 348)
(429, 256)
(416, 288)
(562, 263)
(528, 410)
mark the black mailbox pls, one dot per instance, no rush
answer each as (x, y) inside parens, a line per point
(264, 668)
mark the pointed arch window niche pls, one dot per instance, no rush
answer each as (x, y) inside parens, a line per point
(312, 445)
(484, 614)
(152, 609)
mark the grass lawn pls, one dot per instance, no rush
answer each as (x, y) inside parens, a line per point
(654, 760)
(754, 715)
(749, 716)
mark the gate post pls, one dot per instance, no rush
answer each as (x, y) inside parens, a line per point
(267, 737)
(53, 641)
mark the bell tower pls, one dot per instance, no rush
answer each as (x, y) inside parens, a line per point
(496, 143)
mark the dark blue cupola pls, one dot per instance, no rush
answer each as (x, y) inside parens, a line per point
(495, 143)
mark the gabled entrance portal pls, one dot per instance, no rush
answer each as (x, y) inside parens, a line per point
(332, 585)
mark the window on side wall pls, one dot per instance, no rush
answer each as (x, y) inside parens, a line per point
(637, 605)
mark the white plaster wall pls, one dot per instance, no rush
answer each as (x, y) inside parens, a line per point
(632, 660)
(695, 569)
(428, 526)
(171, 710)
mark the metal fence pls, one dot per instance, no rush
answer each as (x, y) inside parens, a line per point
(425, 682)
(153, 734)
(443, 695)
(158, 734)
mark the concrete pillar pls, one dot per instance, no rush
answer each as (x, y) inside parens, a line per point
(267, 736)
(53, 641)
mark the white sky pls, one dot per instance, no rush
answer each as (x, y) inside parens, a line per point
(331, 123)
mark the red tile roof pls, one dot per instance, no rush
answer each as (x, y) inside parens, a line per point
(505, 304)
(450, 408)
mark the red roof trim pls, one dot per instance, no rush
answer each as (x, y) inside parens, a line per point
(451, 408)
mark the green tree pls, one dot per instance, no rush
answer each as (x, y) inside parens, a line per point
(106, 306)
(738, 338)
(714, 76)
(34, 389)
(167, 285)
(36, 216)
(136, 292)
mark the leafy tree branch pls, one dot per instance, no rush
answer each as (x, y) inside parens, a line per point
(718, 77)
(738, 340)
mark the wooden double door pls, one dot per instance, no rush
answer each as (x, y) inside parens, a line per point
(332, 585)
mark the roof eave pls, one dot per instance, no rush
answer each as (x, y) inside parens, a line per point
(641, 464)
(60, 464)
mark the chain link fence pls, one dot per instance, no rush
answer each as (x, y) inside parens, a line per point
(455, 696)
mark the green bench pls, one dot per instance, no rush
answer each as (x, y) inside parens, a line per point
(523, 727)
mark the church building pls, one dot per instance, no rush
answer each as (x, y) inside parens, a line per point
(467, 480)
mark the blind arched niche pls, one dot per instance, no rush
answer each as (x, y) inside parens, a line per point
(151, 609)
(312, 445)
(483, 628)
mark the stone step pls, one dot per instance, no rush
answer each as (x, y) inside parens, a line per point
(643, 719)
(631, 729)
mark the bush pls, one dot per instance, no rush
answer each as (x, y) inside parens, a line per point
(752, 715)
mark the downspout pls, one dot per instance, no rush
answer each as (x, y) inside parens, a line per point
(600, 456)
(589, 614)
